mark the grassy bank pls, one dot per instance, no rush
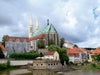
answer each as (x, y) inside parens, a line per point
(91, 67)
(6, 66)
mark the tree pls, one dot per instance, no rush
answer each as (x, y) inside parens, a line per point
(41, 43)
(62, 42)
(75, 46)
(3, 40)
(1, 53)
(98, 57)
(62, 53)
(51, 42)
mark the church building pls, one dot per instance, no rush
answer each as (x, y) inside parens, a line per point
(45, 34)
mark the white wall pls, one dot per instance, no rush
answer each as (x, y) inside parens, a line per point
(68, 45)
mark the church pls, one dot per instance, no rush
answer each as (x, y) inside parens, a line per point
(38, 40)
(45, 34)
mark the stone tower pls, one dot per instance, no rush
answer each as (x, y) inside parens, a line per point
(31, 28)
(37, 24)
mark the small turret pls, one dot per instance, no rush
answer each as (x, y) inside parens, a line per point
(47, 21)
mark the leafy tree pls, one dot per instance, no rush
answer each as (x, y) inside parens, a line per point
(62, 53)
(41, 55)
(41, 43)
(75, 46)
(62, 40)
(1, 53)
(3, 40)
(98, 57)
(51, 42)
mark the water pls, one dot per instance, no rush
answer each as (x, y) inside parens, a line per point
(44, 72)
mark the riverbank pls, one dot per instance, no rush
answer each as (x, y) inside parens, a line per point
(90, 67)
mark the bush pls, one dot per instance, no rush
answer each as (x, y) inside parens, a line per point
(82, 64)
(93, 65)
(3, 66)
(23, 56)
(8, 63)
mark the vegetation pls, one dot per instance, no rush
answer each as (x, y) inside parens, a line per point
(96, 58)
(3, 40)
(41, 43)
(62, 40)
(51, 42)
(5, 66)
(62, 53)
(1, 53)
(23, 56)
(75, 46)
(92, 66)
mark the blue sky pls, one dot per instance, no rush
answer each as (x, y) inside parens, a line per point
(76, 21)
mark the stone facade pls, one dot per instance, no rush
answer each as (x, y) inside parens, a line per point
(46, 64)
(16, 44)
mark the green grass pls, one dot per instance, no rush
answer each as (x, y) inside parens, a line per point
(91, 67)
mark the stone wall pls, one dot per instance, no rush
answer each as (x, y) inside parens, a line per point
(17, 62)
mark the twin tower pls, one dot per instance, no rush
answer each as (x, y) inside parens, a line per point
(31, 27)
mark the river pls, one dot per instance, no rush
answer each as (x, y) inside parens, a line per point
(44, 72)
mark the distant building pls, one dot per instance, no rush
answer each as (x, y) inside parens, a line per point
(68, 44)
(46, 33)
(16, 44)
(77, 54)
(4, 50)
(49, 61)
(52, 55)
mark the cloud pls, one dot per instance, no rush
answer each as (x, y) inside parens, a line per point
(76, 21)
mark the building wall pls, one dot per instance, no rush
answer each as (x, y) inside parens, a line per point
(54, 57)
(17, 47)
(74, 59)
(46, 64)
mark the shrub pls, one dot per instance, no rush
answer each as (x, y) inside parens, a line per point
(82, 64)
(8, 63)
(93, 65)
(20, 56)
(3, 66)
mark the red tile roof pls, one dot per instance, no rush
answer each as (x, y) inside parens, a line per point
(3, 48)
(14, 39)
(37, 37)
(72, 52)
(50, 53)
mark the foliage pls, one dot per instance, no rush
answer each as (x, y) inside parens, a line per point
(62, 53)
(1, 53)
(41, 55)
(51, 42)
(41, 43)
(75, 46)
(3, 66)
(3, 40)
(98, 57)
(94, 65)
(20, 56)
(82, 64)
(94, 57)
(8, 63)
(62, 42)
(86, 62)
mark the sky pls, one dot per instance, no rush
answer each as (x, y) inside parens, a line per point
(77, 21)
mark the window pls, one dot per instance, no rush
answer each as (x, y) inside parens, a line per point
(37, 64)
(41, 64)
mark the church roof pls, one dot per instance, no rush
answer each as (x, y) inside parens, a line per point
(47, 29)
(37, 37)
